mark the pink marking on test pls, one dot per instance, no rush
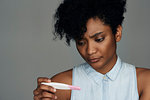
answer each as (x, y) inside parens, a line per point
(74, 87)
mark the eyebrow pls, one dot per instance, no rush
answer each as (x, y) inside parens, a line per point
(96, 34)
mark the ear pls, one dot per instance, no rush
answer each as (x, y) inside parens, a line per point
(118, 34)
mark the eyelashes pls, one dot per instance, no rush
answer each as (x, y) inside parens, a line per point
(80, 43)
(99, 40)
(83, 42)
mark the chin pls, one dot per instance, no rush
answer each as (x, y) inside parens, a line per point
(96, 66)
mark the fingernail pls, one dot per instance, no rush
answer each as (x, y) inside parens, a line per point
(55, 97)
(49, 80)
(54, 90)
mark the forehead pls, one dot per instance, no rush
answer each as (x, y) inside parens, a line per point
(95, 25)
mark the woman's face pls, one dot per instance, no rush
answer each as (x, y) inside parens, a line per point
(98, 45)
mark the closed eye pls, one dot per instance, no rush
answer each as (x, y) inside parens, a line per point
(99, 40)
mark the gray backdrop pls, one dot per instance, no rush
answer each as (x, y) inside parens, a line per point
(27, 50)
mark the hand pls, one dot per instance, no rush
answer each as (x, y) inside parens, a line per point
(44, 92)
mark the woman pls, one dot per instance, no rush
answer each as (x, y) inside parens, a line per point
(96, 27)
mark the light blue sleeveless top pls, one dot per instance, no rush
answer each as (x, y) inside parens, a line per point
(120, 83)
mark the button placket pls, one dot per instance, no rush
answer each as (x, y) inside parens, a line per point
(105, 88)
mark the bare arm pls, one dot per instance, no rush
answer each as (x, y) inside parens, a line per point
(144, 83)
(64, 77)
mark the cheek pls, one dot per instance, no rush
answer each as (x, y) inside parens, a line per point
(81, 51)
(108, 47)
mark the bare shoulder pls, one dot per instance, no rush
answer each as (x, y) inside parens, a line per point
(63, 77)
(143, 79)
(143, 74)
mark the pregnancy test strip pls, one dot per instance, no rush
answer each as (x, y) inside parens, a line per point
(61, 86)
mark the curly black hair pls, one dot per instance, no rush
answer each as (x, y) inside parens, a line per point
(72, 15)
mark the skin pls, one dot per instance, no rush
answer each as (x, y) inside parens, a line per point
(98, 48)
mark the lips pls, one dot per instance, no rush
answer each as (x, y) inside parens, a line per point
(93, 60)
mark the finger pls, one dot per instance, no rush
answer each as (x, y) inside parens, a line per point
(35, 92)
(43, 79)
(46, 88)
(36, 98)
(48, 95)
(47, 99)
(45, 96)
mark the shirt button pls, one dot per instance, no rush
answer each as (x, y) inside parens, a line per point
(104, 77)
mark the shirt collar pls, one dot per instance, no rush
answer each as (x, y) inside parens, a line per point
(93, 74)
(113, 73)
(97, 77)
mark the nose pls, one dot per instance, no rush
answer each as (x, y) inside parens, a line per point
(91, 49)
